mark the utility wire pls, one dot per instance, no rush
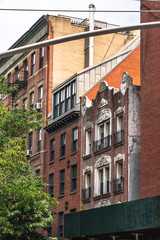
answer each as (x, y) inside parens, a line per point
(69, 10)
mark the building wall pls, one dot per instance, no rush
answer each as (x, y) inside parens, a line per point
(71, 198)
(124, 103)
(150, 112)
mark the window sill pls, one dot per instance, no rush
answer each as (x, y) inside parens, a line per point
(86, 200)
(61, 196)
(74, 152)
(87, 156)
(118, 144)
(61, 158)
(102, 150)
(51, 162)
(102, 196)
(118, 191)
(74, 192)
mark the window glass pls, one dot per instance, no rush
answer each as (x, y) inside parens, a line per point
(73, 178)
(62, 182)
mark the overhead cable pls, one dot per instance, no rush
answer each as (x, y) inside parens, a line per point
(77, 36)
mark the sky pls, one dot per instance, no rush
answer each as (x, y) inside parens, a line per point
(14, 24)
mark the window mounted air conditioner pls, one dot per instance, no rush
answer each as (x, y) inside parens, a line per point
(38, 106)
(28, 152)
(1, 96)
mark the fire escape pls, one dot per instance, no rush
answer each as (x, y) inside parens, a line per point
(19, 80)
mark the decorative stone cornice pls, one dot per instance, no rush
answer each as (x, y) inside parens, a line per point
(103, 103)
(119, 111)
(103, 203)
(87, 169)
(102, 161)
(119, 157)
(104, 115)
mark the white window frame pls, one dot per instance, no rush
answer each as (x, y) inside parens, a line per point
(88, 142)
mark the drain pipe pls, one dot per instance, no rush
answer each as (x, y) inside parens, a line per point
(91, 28)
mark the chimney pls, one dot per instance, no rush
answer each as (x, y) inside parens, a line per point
(91, 28)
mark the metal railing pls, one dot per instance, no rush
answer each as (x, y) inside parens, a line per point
(102, 143)
(118, 184)
(86, 193)
(118, 137)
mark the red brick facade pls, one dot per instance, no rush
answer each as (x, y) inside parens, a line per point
(150, 113)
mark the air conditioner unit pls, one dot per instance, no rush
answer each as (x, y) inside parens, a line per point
(1, 96)
(28, 152)
(38, 106)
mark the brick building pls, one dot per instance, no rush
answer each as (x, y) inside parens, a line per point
(110, 166)
(37, 73)
(150, 113)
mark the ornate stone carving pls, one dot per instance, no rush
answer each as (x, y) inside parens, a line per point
(103, 203)
(85, 103)
(119, 110)
(104, 115)
(87, 169)
(102, 161)
(103, 103)
(119, 157)
(88, 125)
(103, 86)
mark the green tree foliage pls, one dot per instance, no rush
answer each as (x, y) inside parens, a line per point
(24, 206)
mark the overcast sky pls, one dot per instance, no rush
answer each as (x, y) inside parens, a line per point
(14, 24)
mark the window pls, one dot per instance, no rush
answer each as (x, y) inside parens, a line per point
(51, 184)
(61, 181)
(73, 100)
(30, 141)
(41, 57)
(31, 99)
(88, 142)
(60, 224)
(56, 105)
(62, 145)
(33, 63)
(86, 192)
(9, 79)
(103, 136)
(37, 172)
(39, 140)
(16, 74)
(72, 210)
(64, 100)
(25, 64)
(52, 149)
(68, 97)
(73, 178)
(119, 135)
(49, 230)
(74, 139)
(40, 94)
(25, 104)
(118, 183)
(102, 178)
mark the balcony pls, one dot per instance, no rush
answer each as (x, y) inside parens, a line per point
(18, 79)
(118, 137)
(118, 185)
(86, 194)
(102, 143)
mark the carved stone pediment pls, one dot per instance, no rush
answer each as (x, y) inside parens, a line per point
(119, 111)
(104, 115)
(88, 125)
(85, 103)
(125, 82)
(119, 157)
(103, 203)
(102, 161)
(87, 169)
(103, 103)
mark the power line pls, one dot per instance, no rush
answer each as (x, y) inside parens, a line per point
(77, 36)
(76, 11)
